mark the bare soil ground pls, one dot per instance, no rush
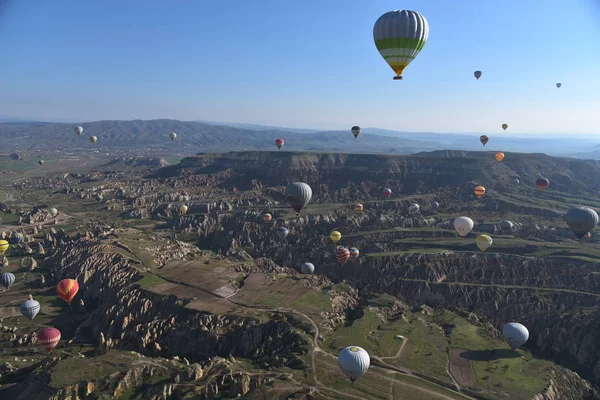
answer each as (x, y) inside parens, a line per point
(461, 368)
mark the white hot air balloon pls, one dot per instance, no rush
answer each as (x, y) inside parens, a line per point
(354, 362)
(413, 208)
(308, 268)
(78, 130)
(463, 225)
(515, 334)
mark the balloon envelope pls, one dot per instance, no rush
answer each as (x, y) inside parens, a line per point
(279, 143)
(581, 220)
(484, 242)
(335, 236)
(484, 139)
(4, 245)
(307, 268)
(93, 139)
(267, 217)
(413, 208)
(504, 126)
(355, 131)
(477, 74)
(479, 191)
(48, 338)
(342, 254)
(354, 362)
(53, 211)
(298, 194)
(30, 308)
(78, 130)
(542, 183)
(463, 225)
(7, 279)
(358, 207)
(558, 85)
(173, 135)
(354, 253)
(435, 205)
(499, 156)
(282, 232)
(67, 289)
(386, 192)
(515, 334)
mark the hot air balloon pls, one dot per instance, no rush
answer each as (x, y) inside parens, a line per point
(354, 253)
(386, 192)
(267, 217)
(506, 225)
(3, 246)
(342, 254)
(435, 205)
(581, 220)
(67, 289)
(358, 207)
(18, 237)
(279, 143)
(7, 279)
(41, 162)
(48, 338)
(53, 211)
(30, 308)
(516, 181)
(399, 36)
(504, 126)
(463, 225)
(354, 362)
(479, 191)
(558, 85)
(298, 194)
(282, 232)
(413, 208)
(78, 130)
(173, 135)
(542, 184)
(335, 236)
(183, 209)
(515, 334)
(355, 131)
(477, 74)
(499, 156)
(484, 242)
(93, 139)
(307, 268)
(483, 139)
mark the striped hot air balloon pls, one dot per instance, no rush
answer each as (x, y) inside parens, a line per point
(542, 184)
(3, 246)
(386, 192)
(30, 308)
(354, 253)
(67, 289)
(342, 254)
(479, 191)
(7, 279)
(48, 338)
(335, 236)
(358, 207)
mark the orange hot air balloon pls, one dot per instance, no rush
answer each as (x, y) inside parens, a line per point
(48, 338)
(479, 191)
(358, 207)
(499, 156)
(67, 289)
(542, 183)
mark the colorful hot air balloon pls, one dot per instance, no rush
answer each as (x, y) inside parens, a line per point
(282, 232)
(93, 139)
(183, 209)
(483, 242)
(542, 184)
(399, 36)
(581, 220)
(504, 126)
(515, 334)
(358, 207)
(30, 308)
(7, 279)
(267, 217)
(3, 246)
(307, 268)
(279, 143)
(479, 191)
(355, 131)
(18, 237)
(463, 225)
(335, 236)
(558, 85)
(499, 156)
(342, 254)
(386, 192)
(48, 338)
(67, 289)
(354, 253)
(354, 362)
(477, 74)
(78, 130)
(173, 135)
(483, 139)
(298, 194)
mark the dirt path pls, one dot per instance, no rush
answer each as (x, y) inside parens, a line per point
(404, 341)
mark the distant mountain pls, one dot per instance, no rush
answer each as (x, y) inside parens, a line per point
(254, 127)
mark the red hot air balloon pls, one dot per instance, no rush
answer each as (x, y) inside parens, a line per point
(342, 254)
(542, 184)
(67, 289)
(48, 338)
(279, 143)
(387, 192)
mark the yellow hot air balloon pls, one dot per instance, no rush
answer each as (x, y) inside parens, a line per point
(267, 217)
(358, 207)
(479, 191)
(93, 139)
(183, 209)
(3, 246)
(483, 242)
(499, 156)
(335, 236)
(504, 126)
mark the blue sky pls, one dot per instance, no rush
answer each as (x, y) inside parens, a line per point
(308, 64)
